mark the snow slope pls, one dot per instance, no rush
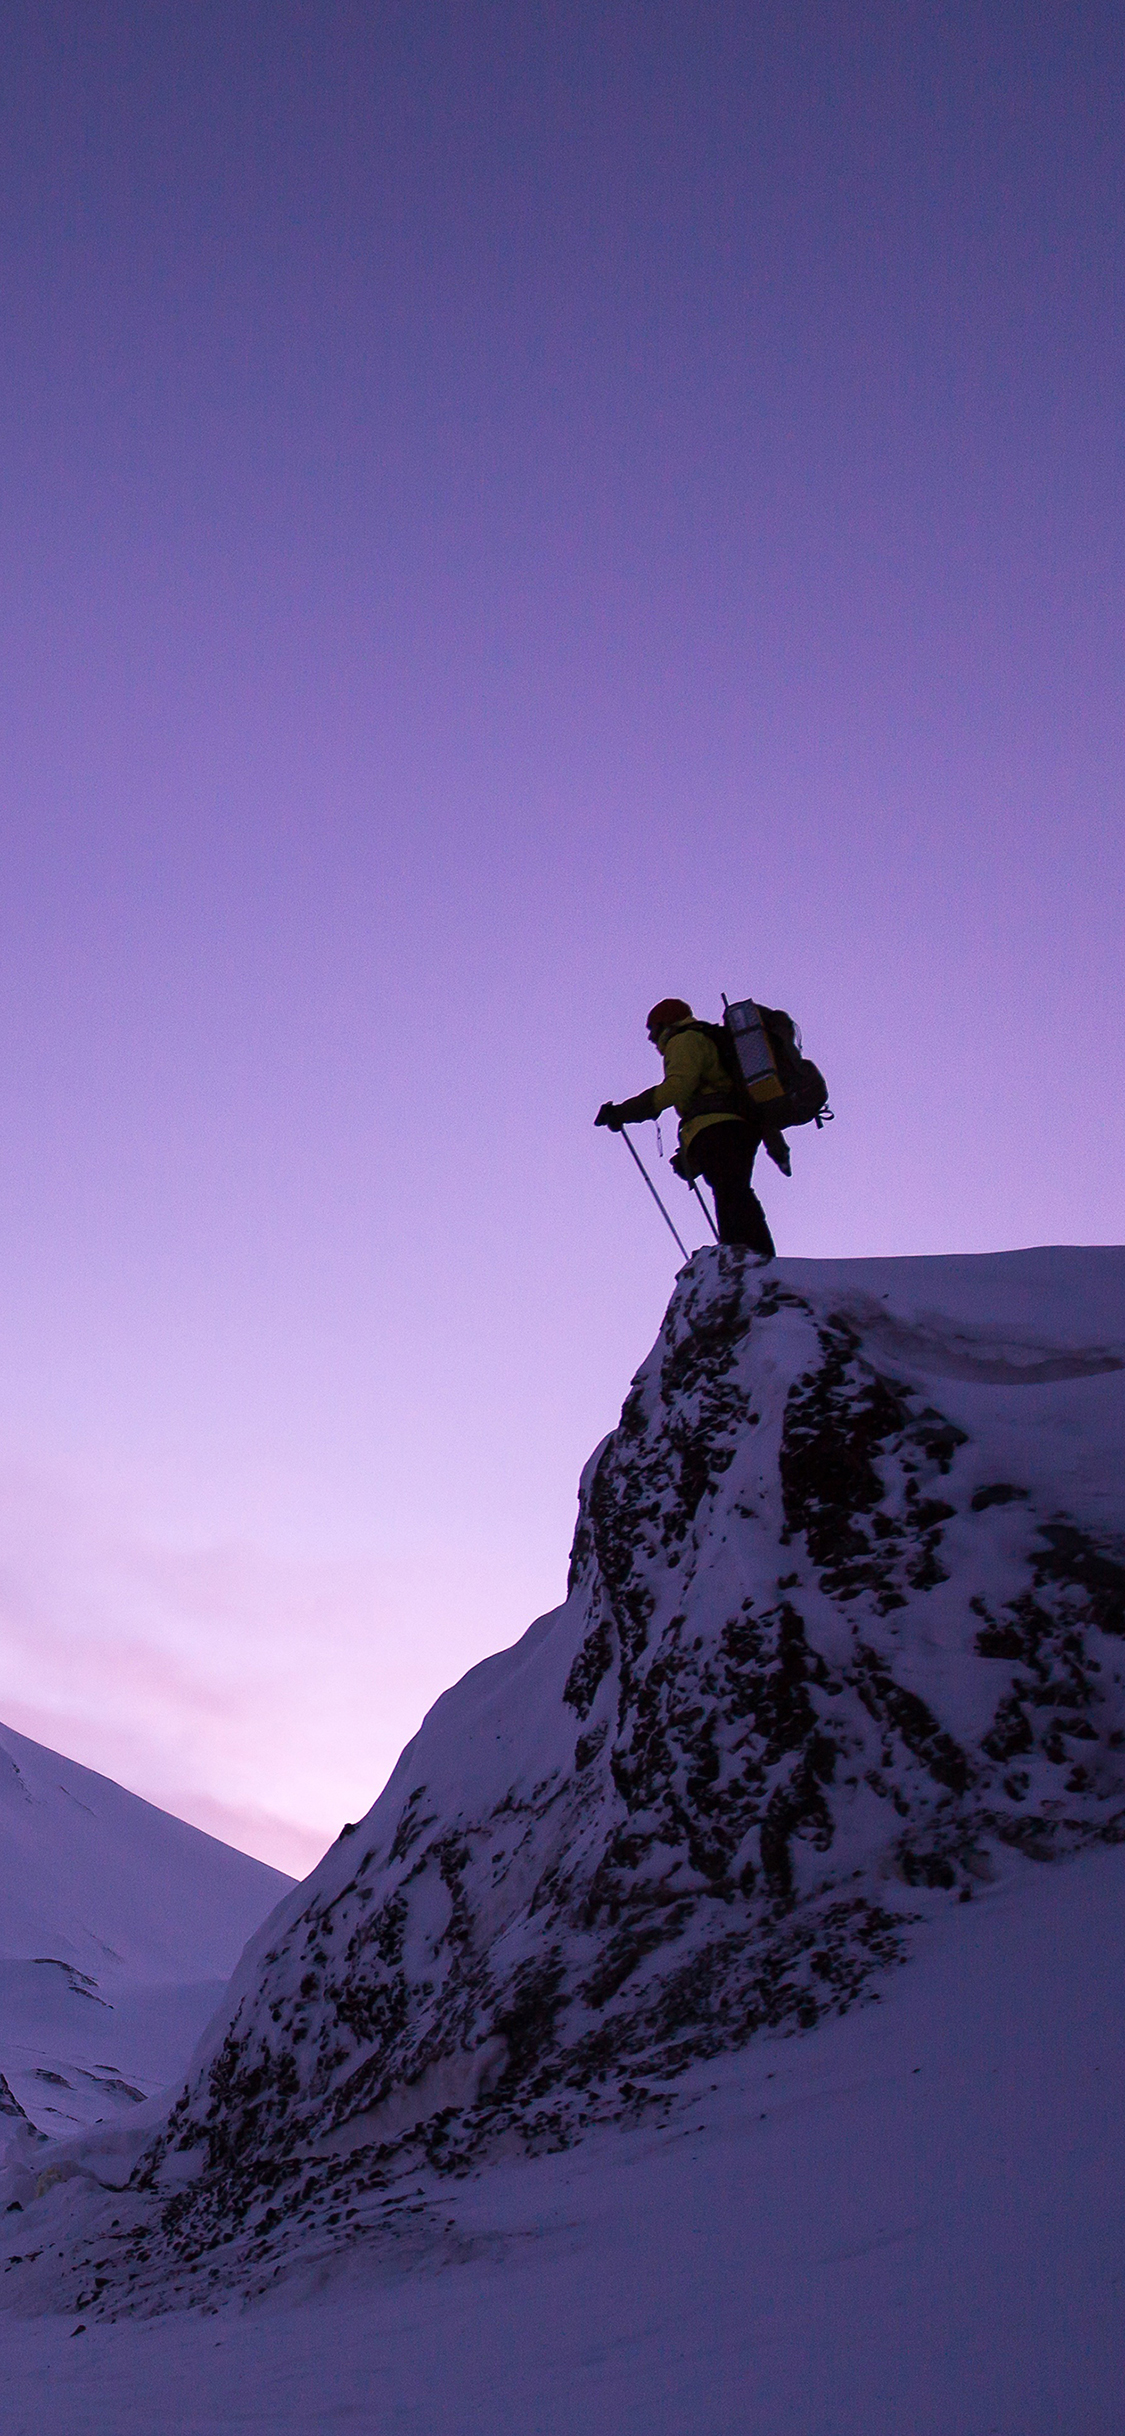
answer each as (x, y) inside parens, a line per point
(119, 1927)
(840, 1668)
(908, 2222)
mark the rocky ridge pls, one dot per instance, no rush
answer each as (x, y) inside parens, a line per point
(819, 1668)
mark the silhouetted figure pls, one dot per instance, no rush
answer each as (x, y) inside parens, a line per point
(717, 1140)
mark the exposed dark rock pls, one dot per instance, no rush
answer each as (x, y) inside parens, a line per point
(782, 1624)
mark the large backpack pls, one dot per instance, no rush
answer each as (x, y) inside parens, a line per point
(761, 1051)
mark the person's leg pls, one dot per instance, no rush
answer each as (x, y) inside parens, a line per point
(724, 1154)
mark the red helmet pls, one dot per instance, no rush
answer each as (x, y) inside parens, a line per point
(665, 1013)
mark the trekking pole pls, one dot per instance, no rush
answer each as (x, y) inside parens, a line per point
(656, 1197)
(704, 1208)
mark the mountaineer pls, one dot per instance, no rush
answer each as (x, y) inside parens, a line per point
(719, 1133)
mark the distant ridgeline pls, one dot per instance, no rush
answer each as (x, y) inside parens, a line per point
(827, 1661)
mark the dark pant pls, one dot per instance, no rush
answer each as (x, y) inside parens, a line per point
(724, 1154)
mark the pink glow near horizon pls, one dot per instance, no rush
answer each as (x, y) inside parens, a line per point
(508, 514)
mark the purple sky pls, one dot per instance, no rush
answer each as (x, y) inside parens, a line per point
(508, 512)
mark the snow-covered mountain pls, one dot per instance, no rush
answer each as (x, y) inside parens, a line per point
(905, 2222)
(842, 1648)
(119, 1927)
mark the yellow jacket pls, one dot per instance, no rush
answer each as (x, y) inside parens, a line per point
(692, 1065)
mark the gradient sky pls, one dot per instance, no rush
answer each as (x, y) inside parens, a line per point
(508, 512)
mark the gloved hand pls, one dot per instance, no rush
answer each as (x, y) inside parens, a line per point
(676, 1163)
(608, 1115)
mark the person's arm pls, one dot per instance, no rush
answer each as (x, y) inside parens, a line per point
(683, 1069)
(627, 1112)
